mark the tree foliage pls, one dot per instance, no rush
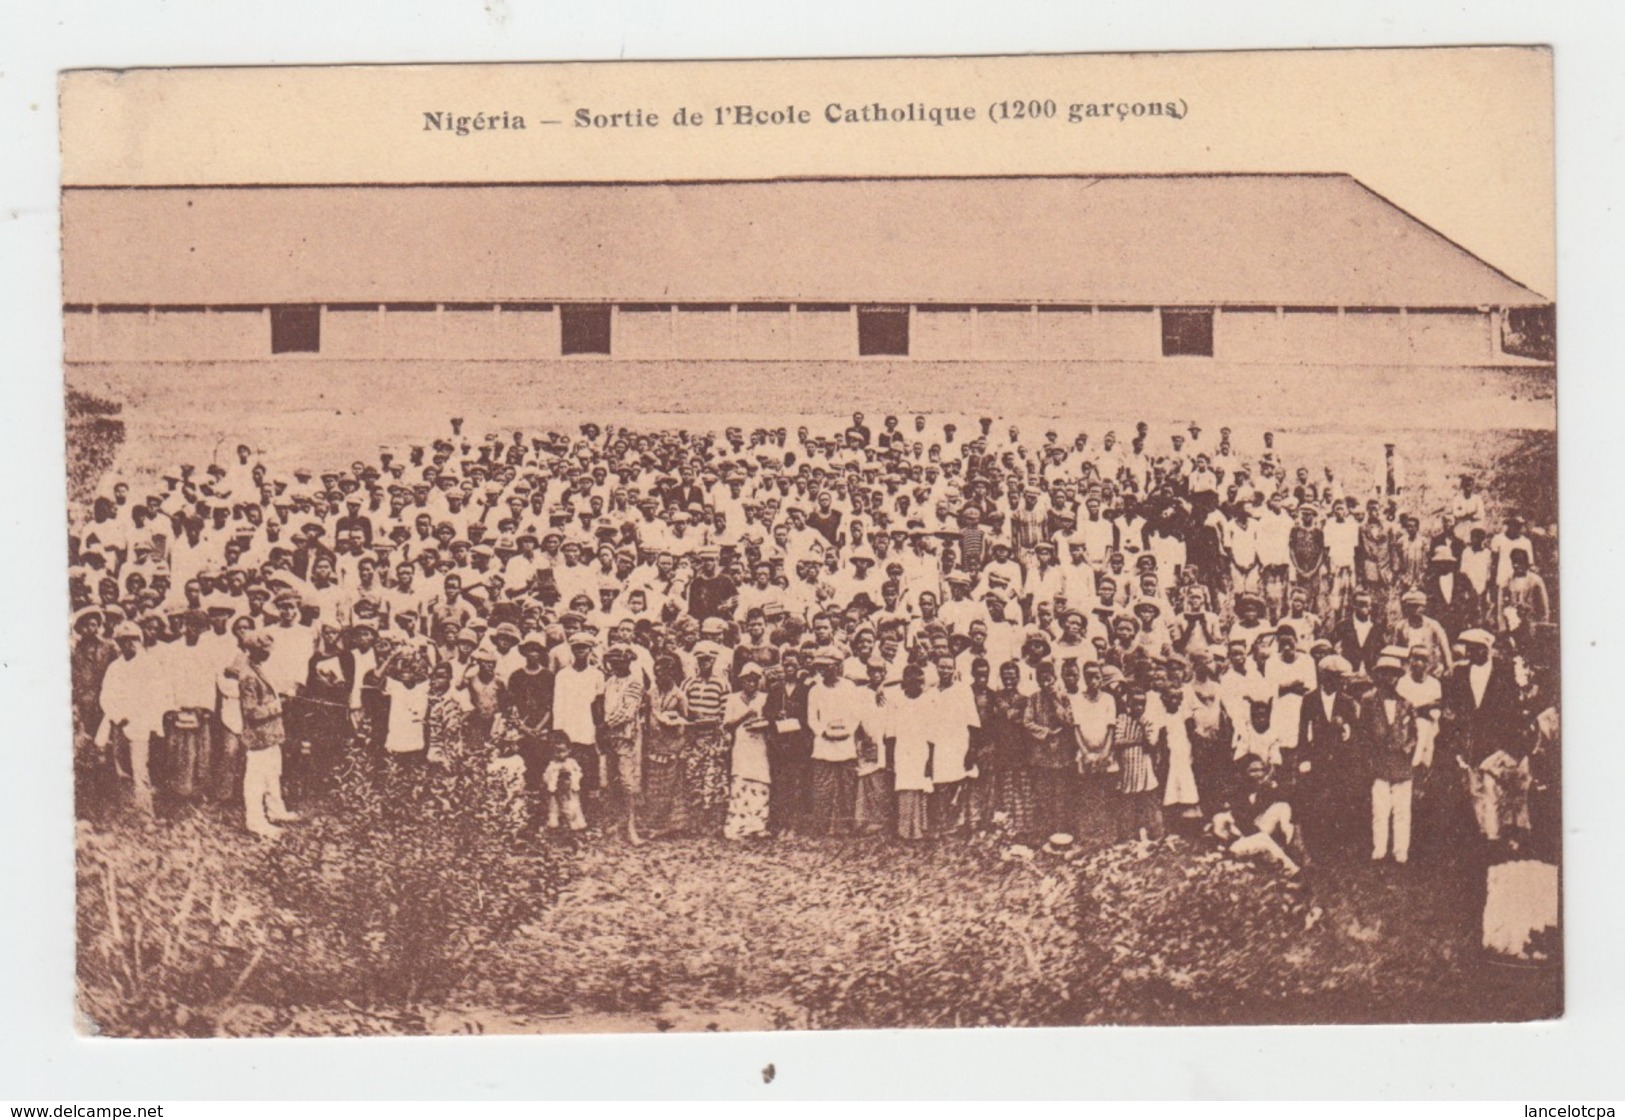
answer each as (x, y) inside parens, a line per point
(413, 873)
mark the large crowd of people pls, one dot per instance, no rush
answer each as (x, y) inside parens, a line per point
(914, 629)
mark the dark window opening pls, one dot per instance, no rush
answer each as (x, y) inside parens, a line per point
(1531, 332)
(296, 329)
(883, 331)
(1187, 332)
(584, 329)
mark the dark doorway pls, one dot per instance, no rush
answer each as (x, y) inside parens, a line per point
(296, 329)
(1187, 332)
(584, 329)
(883, 330)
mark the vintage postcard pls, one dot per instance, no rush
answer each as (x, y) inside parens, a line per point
(920, 542)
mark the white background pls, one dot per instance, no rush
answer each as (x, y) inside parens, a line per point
(1576, 1059)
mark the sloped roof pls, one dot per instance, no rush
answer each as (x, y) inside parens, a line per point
(1317, 240)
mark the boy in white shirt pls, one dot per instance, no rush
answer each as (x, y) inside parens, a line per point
(1424, 692)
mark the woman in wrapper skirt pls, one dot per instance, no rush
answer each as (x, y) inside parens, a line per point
(664, 808)
(742, 721)
(1009, 750)
(873, 806)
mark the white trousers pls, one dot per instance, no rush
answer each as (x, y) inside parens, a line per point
(1275, 829)
(1249, 581)
(564, 810)
(140, 739)
(262, 790)
(1427, 732)
(1391, 805)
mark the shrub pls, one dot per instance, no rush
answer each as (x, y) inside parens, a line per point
(411, 875)
(95, 435)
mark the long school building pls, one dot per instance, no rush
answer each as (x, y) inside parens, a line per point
(1269, 269)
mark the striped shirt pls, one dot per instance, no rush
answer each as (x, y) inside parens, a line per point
(972, 546)
(704, 698)
(1132, 744)
(623, 703)
(1027, 527)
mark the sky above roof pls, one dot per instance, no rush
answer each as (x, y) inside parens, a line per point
(1460, 137)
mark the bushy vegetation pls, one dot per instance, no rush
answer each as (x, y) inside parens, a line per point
(384, 900)
(411, 874)
(95, 434)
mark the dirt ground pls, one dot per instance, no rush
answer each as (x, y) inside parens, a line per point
(1498, 423)
(324, 411)
(734, 922)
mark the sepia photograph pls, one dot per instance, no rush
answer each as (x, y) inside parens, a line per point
(1114, 581)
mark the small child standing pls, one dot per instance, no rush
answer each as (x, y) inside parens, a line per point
(1139, 804)
(562, 781)
(444, 717)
